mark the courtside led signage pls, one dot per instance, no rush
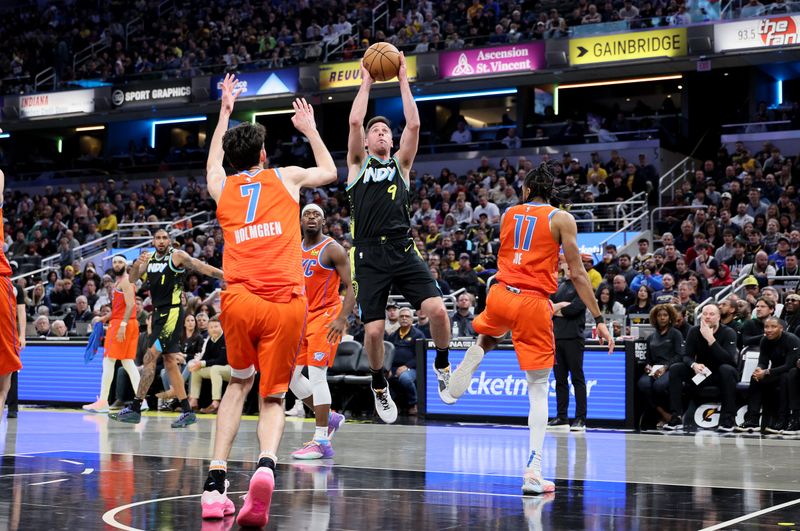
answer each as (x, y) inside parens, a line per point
(628, 46)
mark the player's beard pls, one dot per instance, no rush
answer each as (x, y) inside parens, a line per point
(119, 274)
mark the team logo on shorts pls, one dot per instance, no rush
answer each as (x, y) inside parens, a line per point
(319, 356)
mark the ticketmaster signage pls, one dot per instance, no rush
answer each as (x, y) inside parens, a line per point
(496, 60)
(628, 46)
(499, 388)
(56, 103)
(757, 33)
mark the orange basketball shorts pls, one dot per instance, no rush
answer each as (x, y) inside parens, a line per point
(121, 350)
(9, 334)
(262, 336)
(530, 320)
(316, 349)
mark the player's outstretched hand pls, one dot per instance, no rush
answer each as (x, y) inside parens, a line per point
(604, 335)
(402, 72)
(303, 118)
(144, 257)
(229, 93)
(366, 77)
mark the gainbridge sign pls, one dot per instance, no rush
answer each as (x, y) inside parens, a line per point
(628, 46)
(757, 33)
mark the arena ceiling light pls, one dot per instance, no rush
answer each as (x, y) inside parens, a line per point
(476, 94)
(184, 120)
(90, 128)
(270, 113)
(619, 82)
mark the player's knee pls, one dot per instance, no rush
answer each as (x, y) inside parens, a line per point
(374, 331)
(435, 310)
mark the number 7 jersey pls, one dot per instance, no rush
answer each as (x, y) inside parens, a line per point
(528, 256)
(260, 222)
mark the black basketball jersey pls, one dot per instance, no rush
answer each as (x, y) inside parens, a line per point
(379, 200)
(165, 280)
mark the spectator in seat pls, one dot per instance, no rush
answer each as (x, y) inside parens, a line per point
(753, 329)
(80, 314)
(464, 276)
(42, 326)
(59, 329)
(462, 211)
(211, 363)
(778, 354)
(778, 258)
(791, 268)
(686, 238)
(392, 318)
(667, 294)
(594, 276)
(622, 293)
(739, 260)
(664, 348)
(643, 303)
(511, 140)
(771, 293)
(462, 316)
(704, 263)
(751, 9)
(709, 345)
(404, 365)
(485, 207)
(608, 306)
(625, 267)
(729, 313)
(726, 250)
(462, 135)
(741, 218)
(760, 269)
(424, 324)
(685, 300)
(629, 12)
(58, 296)
(644, 254)
(681, 323)
(649, 277)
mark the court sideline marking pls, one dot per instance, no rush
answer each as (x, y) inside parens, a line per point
(751, 515)
(109, 516)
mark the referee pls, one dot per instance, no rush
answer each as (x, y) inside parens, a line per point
(569, 321)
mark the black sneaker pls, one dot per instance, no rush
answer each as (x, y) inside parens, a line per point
(674, 424)
(558, 424)
(748, 426)
(12, 414)
(792, 427)
(578, 425)
(725, 425)
(777, 426)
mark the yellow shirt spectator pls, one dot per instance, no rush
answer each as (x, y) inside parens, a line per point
(108, 223)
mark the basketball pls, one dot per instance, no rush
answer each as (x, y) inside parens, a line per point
(382, 60)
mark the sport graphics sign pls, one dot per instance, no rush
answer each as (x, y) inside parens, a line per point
(496, 60)
(628, 46)
(499, 388)
(757, 33)
(56, 103)
(149, 94)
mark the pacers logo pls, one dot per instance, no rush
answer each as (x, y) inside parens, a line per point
(778, 31)
(355, 289)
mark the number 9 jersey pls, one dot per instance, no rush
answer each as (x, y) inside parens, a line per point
(528, 256)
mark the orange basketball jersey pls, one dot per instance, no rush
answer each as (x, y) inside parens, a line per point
(322, 283)
(5, 267)
(528, 257)
(260, 223)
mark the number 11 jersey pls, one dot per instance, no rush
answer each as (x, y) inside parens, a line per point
(260, 222)
(528, 256)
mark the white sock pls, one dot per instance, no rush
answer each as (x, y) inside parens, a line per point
(133, 374)
(537, 417)
(321, 435)
(108, 377)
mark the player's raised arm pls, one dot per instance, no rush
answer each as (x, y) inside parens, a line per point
(566, 230)
(356, 152)
(215, 172)
(182, 259)
(325, 170)
(409, 141)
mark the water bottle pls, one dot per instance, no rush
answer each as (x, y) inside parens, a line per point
(456, 331)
